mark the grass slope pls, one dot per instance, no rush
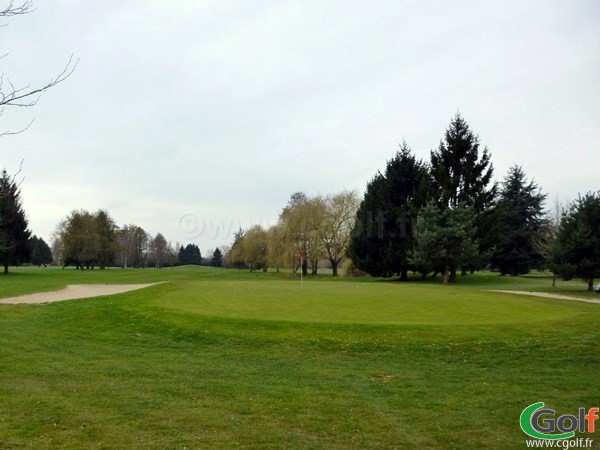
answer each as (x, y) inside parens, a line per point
(219, 359)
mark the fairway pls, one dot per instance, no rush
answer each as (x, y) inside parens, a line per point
(215, 358)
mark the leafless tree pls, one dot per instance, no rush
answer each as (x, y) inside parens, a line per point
(26, 95)
(158, 248)
(57, 244)
(132, 246)
(545, 239)
(225, 250)
(172, 253)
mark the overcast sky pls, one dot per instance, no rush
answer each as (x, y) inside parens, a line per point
(185, 116)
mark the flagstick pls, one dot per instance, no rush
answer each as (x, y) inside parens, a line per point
(301, 273)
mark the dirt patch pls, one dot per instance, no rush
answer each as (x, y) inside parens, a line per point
(548, 295)
(75, 291)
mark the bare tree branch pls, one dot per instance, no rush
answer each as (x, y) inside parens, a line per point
(16, 10)
(13, 96)
(13, 179)
(10, 133)
(27, 95)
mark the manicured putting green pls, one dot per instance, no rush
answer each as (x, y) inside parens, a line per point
(361, 303)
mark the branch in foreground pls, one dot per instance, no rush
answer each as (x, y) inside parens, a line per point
(14, 96)
(15, 10)
(10, 133)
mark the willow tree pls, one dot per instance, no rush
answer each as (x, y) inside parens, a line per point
(335, 229)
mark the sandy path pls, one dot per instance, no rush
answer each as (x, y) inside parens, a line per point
(548, 295)
(75, 291)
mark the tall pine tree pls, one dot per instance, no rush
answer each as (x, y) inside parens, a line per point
(107, 238)
(576, 249)
(40, 251)
(217, 258)
(14, 232)
(445, 239)
(190, 254)
(367, 246)
(384, 237)
(519, 218)
(405, 193)
(461, 174)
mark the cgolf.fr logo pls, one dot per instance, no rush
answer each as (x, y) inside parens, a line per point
(540, 423)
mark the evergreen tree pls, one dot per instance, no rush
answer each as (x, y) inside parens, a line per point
(190, 255)
(14, 232)
(576, 249)
(519, 218)
(405, 194)
(217, 258)
(107, 238)
(40, 251)
(445, 239)
(383, 235)
(368, 243)
(459, 174)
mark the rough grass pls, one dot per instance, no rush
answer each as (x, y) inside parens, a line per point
(220, 359)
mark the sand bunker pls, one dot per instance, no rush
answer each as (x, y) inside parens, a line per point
(75, 291)
(548, 295)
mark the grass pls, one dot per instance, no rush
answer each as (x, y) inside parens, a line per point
(220, 358)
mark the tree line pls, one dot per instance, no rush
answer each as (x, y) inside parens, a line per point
(87, 240)
(442, 216)
(439, 216)
(308, 230)
(433, 217)
(15, 236)
(17, 244)
(447, 214)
